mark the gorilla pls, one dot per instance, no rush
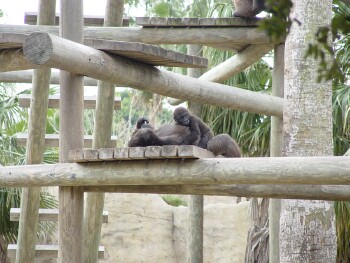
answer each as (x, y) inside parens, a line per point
(188, 130)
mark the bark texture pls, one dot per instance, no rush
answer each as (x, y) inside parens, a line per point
(307, 227)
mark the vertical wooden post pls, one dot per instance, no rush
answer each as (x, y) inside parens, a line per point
(196, 202)
(101, 139)
(275, 151)
(71, 199)
(30, 198)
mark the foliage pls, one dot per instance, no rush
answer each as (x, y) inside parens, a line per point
(174, 200)
(134, 104)
(14, 119)
(250, 130)
(342, 215)
(277, 25)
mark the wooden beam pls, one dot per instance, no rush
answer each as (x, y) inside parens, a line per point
(46, 251)
(35, 146)
(309, 192)
(52, 51)
(25, 76)
(47, 215)
(149, 54)
(200, 36)
(242, 60)
(71, 199)
(196, 22)
(94, 202)
(275, 151)
(54, 101)
(194, 251)
(149, 152)
(327, 170)
(52, 140)
(30, 18)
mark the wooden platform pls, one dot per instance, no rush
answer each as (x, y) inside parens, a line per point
(47, 215)
(46, 251)
(196, 22)
(52, 140)
(30, 18)
(136, 51)
(89, 101)
(139, 153)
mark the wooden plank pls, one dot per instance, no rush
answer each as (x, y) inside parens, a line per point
(11, 40)
(191, 151)
(121, 154)
(76, 156)
(169, 151)
(153, 152)
(47, 215)
(106, 154)
(89, 101)
(147, 53)
(31, 17)
(327, 170)
(46, 251)
(231, 38)
(91, 155)
(52, 140)
(26, 76)
(52, 51)
(196, 22)
(137, 152)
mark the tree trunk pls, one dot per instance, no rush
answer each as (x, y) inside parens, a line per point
(307, 227)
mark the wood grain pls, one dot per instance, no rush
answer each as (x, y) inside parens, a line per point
(47, 215)
(327, 170)
(52, 51)
(89, 101)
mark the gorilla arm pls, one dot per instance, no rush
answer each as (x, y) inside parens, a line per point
(167, 134)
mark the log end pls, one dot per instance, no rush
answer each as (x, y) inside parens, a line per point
(38, 47)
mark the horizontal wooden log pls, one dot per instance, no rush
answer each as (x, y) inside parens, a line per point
(30, 18)
(200, 36)
(52, 140)
(52, 51)
(89, 101)
(150, 54)
(215, 171)
(47, 215)
(232, 66)
(26, 76)
(46, 251)
(196, 22)
(309, 192)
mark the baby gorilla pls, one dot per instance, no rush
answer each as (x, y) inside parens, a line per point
(200, 133)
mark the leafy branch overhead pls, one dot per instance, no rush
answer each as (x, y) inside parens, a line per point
(329, 44)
